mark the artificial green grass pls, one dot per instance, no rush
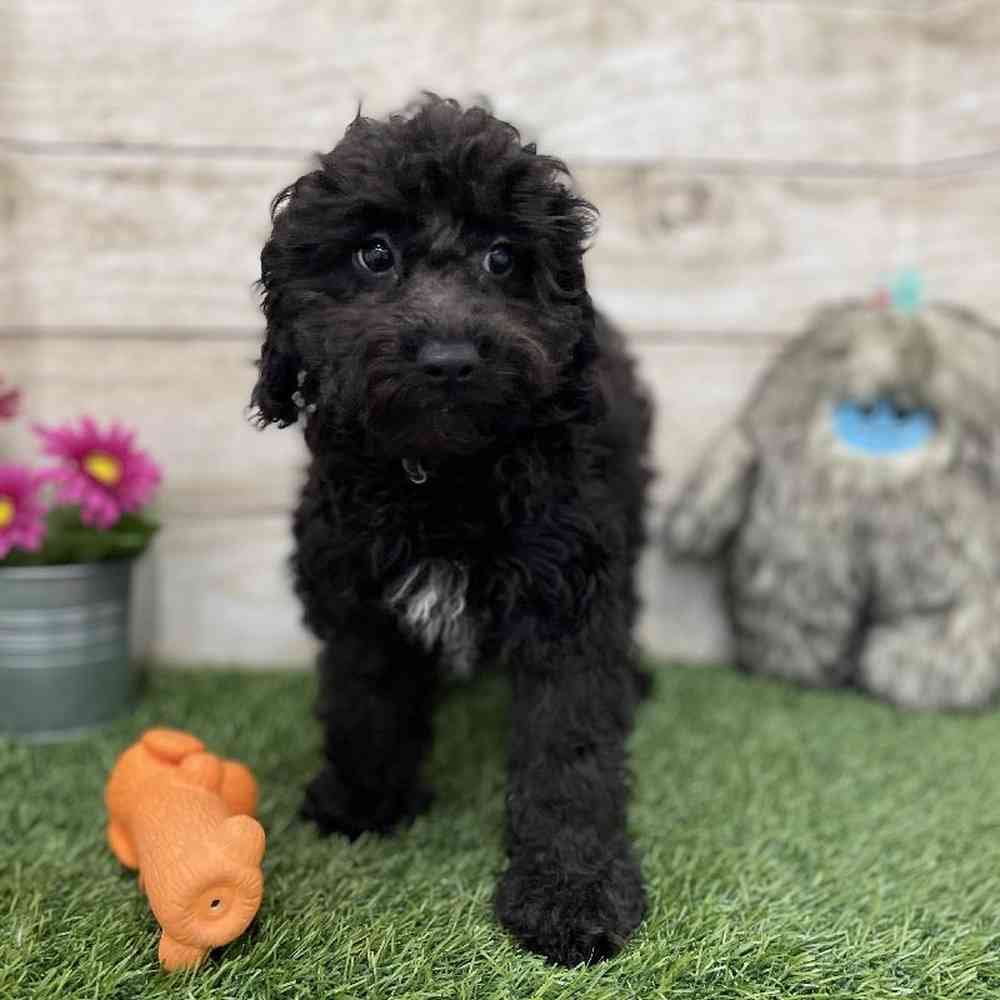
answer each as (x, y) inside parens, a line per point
(796, 843)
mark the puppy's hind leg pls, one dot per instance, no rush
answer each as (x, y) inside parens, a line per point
(377, 693)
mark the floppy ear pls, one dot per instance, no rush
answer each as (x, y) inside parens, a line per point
(593, 403)
(582, 392)
(274, 396)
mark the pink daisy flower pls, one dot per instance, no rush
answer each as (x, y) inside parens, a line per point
(8, 403)
(22, 516)
(102, 471)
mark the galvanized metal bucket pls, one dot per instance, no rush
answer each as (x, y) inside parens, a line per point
(65, 666)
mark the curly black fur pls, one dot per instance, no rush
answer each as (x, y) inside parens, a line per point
(498, 513)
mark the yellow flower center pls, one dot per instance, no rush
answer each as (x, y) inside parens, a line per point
(106, 469)
(7, 510)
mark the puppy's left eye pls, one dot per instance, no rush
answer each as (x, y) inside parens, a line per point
(499, 259)
(375, 256)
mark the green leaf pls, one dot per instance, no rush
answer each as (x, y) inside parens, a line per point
(69, 540)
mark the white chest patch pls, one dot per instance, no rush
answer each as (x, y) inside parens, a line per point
(429, 602)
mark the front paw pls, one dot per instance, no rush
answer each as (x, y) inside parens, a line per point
(568, 916)
(336, 807)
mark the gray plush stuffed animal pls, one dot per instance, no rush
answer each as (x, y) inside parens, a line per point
(856, 506)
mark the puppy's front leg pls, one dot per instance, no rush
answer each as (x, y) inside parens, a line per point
(573, 891)
(377, 694)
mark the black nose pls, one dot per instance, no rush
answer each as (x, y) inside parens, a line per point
(448, 360)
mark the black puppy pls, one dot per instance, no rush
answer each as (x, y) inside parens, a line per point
(475, 492)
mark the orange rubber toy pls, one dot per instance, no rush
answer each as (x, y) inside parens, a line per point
(182, 817)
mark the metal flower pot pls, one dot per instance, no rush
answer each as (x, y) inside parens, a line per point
(65, 666)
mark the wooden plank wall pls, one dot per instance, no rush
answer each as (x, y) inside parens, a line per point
(751, 158)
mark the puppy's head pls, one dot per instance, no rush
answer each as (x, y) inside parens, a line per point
(424, 288)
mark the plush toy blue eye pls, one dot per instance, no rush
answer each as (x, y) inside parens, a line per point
(881, 427)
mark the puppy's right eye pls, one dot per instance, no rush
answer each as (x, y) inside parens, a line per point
(499, 259)
(375, 256)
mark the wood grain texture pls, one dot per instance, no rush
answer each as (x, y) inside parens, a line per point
(910, 6)
(143, 241)
(956, 87)
(642, 79)
(11, 267)
(638, 81)
(737, 253)
(956, 219)
(161, 244)
(217, 591)
(186, 400)
(231, 73)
